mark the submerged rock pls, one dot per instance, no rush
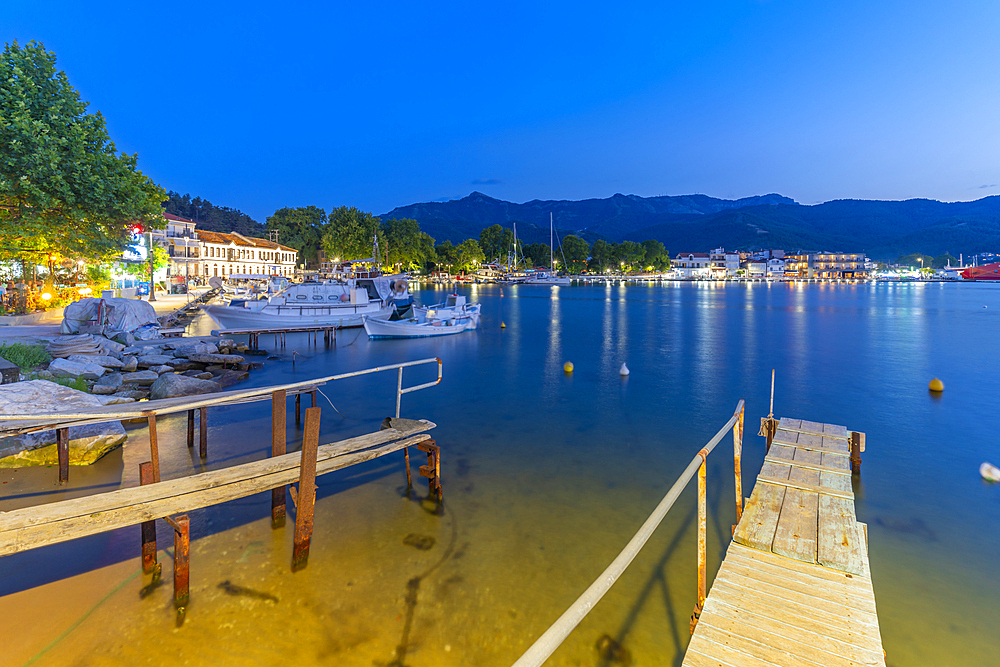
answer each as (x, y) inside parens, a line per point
(171, 384)
(229, 378)
(421, 542)
(87, 443)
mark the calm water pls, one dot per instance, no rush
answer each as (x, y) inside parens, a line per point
(546, 476)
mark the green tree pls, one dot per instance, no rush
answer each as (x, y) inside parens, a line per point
(213, 218)
(942, 261)
(496, 242)
(469, 255)
(537, 254)
(300, 228)
(602, 256)
(631, 256)
(349, 234)
(446, 255)
(64, 188)
(406, 246)
(657, 258)
(914, 261)
(576, 251)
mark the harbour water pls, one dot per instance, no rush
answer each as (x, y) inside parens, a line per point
(546, 476)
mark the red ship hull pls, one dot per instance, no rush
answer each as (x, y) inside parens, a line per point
(984, 272)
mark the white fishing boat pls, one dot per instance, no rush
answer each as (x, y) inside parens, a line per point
(416, 327)
(455, 306)
(549, 277)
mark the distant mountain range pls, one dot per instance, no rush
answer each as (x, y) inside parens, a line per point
(698, 223)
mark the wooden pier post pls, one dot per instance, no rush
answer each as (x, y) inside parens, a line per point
(432, 471)
(203, 435)
(314, 394)
(305, 501)
(702, 538)
(298, 410)
(190, 440)
(182, 554)
(857, 446)
(148, 527)
(279, 410)
(62, 450)
(738, 465)
(154, 451)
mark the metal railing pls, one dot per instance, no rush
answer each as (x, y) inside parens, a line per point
(552, 638)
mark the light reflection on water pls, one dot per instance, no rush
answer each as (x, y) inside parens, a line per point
(547, 475)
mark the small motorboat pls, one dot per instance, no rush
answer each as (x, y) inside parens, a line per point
(418, 326)
(454, 307)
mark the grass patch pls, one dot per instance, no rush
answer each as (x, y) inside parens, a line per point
(73, 383)
(25, 356)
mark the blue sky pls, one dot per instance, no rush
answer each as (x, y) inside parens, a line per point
(261, 105)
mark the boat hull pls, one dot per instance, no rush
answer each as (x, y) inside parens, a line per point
(380, 328)
(292, 316)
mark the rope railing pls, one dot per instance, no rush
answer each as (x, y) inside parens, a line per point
(557, 633)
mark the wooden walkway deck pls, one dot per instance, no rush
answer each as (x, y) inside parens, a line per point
(795, 586)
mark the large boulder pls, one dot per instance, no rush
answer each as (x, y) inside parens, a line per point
(226, 359)
(183, 351)
(129, 364)
(86, 443)
(170, 385)
(147, 360)
(63, 368)
(99, 359)
(229, 378)
(140, 377)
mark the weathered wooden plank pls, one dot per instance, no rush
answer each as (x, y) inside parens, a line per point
(807, 647)
(836, 470)
(795, 535)
(760, 517)
(814, 428)
(840, 544)
(793, 608)
(835, 431)
(812, 442)
(789, 424)
(802, 486)
(722, 654)
(845, 595)
(813, 575)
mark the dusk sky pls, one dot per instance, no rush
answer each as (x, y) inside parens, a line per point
(259, 105)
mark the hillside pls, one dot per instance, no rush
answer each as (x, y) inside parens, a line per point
(698, 223)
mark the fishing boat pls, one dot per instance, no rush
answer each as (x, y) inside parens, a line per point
(549, 277)
(455, 306)
(984, 272)
(416, 327)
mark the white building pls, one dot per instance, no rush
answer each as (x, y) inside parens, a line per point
(724, 264)
(181, 242)
(692, 264)
(775, 268)
(227, 254)
(756, 268)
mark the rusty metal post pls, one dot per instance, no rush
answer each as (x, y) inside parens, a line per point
(62, 451)
(148, 527)
(432, 471)
(190, 429)
(857, 444)
(279, 410)
(314, 393)
(738, 464)
(298, 410)
(203, 434)
(154, 451)
(182, 549)
(305, 504)
(702, 537)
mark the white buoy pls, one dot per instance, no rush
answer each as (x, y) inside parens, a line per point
(623, 371)
(989, 472)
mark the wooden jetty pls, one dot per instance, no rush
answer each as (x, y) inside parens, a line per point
(795, 586)
(253, 333)
(170, 500)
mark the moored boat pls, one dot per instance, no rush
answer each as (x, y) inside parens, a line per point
(984, 272)
(455, 306)
(415, 327)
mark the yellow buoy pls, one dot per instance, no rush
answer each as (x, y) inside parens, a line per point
(568, 367)
(503, 326)
(936, 385)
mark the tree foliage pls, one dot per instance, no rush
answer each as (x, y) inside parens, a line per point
(349, 234)
(657, 257)
(537, 254)
(446, 255)
(300, 228)
(496, 241)
(469, 255)
(405, 245)
(213, 218)
(576, 251)
(64, 188)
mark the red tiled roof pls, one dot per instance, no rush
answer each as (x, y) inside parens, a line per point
(171, 216)
(240, 240)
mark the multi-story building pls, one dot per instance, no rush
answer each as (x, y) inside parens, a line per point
(692, 264)
(827, 265)
(183, 248)
(776, 267)
(228, 254)
(724, 264)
